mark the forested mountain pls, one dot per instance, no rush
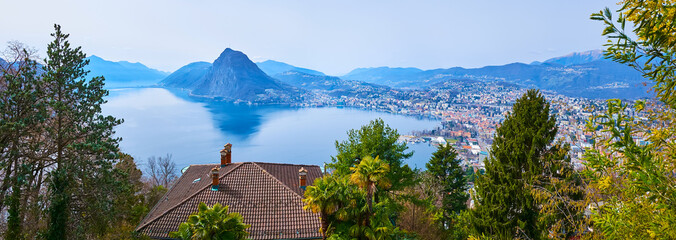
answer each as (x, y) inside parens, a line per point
(272, 68)
(123, 73)
(383, 75)
(187, 76)
(578, 58)
(579, 75)
(232, 76)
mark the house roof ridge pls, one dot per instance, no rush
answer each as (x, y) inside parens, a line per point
(287, 164)
(279, 181)
(186, 199)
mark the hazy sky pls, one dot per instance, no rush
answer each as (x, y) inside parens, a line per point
(330, 36)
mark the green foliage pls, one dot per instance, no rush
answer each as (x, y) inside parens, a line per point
(653, 52)
(505, 207)
(347, 205)
(369, 174)
(82, 151)
(634, 184)
(153, 196)
(375, 140)
(471, 176)
(560, 193)
(212, 223)
(445, 167)
(22, 114)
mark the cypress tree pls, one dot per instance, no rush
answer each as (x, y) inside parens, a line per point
(446, 169)
(505, 206)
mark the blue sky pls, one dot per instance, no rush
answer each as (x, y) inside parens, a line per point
(330, 36)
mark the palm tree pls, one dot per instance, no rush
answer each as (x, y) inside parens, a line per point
(212, 223)
(369, 173)
(323, 198)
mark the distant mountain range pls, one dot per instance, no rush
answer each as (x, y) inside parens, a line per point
(123, 73)
(578, 58)
(272, 68)
(584, 74)
(232, 76)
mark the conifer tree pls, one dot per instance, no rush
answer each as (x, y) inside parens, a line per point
(84, 149)
(446, 169)
(505, 206)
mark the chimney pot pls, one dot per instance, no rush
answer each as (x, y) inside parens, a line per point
(302, 178)
(226, 155)
(214, 178)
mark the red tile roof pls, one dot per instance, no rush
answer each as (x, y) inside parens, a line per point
(267, 195)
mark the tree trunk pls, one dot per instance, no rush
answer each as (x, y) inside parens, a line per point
(325, 224)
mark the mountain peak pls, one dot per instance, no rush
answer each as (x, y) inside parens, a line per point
(577, 58)
(228, 52)
(232, 76)
(95, 58)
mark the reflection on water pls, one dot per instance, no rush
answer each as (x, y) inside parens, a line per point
(160, 121)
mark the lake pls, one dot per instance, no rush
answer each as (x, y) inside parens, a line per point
(160, 121)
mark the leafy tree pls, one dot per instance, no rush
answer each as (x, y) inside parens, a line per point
(653, 51)
(505, 207)
(375, 140)
(445, 167)
(22, 114)
(423, 215)
(130, 203)
(84, 150)
(154, 195)
(212, 223)
(634, 183)
(561, 195)
(343, 203)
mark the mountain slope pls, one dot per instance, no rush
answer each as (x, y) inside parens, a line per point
(272, 68)
(577, 58)
(123, 73)
(382, 75)
(188, 76)
(234, 77)
(584, 74)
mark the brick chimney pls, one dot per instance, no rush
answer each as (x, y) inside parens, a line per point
(214, 179)
(226, 155)
(302, 178)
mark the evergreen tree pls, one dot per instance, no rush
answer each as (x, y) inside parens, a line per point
(446, 169)
(505, 206)
(82, 183)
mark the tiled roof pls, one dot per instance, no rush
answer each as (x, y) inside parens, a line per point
(267, 195)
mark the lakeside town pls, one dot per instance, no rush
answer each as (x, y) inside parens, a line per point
(469, 112)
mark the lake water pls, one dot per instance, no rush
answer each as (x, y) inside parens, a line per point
(159, 121)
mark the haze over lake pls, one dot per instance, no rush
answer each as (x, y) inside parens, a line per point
(160, 121)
